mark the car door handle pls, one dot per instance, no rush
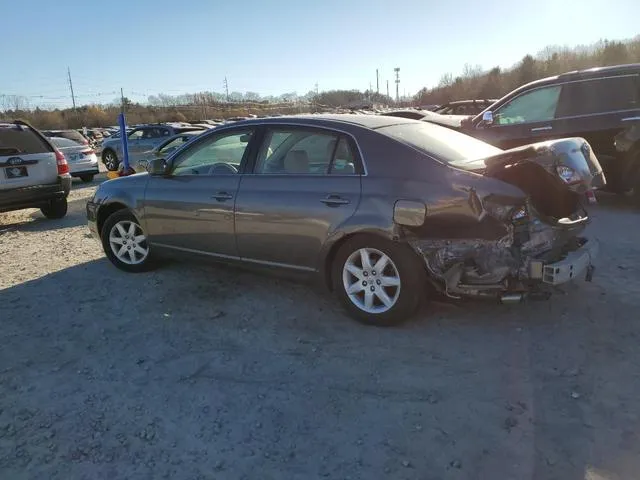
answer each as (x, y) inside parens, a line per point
(222, 196)
(334, 201)
(542, 129)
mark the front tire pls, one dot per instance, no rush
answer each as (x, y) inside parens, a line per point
(125, 243)
(110, 160)
(379, 282)
(55, 209)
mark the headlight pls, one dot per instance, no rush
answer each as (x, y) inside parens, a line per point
(519, 213)
(567, 174)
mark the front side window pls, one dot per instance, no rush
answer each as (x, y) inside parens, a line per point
(305, 152)
(217, 155)
(535, 106)
(600, 95)
(173, 145)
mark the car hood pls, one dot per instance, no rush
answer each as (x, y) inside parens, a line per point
(451, 121)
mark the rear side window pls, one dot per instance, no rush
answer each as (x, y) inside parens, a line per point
(15, 140)
(63, 142)
(599, 96)
(71, 135)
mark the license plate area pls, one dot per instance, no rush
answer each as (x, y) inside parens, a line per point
(16, 172)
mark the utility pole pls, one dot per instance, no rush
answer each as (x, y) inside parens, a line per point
(73, 97)
(122, 100)
(316, 89)
(387, 88)
(377, 82)
(226, 88)
(397, 70)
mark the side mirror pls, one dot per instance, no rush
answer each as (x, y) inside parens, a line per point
(157, 166)
(487, 117)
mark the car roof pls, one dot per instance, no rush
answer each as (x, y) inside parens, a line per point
(586, 74)
(331, 120)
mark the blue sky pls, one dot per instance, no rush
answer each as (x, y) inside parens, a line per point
(277, 46)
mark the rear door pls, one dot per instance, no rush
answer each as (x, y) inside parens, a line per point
(527, 118)
(305, 183)
(25, 158)
(598, 109)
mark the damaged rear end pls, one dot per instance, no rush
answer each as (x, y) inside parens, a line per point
(511, 242)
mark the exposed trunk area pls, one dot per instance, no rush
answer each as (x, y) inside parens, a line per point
(548, 194)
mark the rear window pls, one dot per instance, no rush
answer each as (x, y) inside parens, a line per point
(15, 140)
(444, 144)
(70, 134)
(63, 142)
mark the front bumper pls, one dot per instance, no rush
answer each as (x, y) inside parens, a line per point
(575, 265)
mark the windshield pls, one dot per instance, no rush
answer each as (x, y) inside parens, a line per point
(444, 144)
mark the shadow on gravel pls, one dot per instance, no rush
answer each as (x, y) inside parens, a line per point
(194, 369)
(36, 222)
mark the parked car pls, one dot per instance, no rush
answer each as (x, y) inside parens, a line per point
(166, 148)
(82, 160)
(464, 107)
(407, 113)
(141, 141)
(377, 207)
(601, 105)
(33, 173)
(70, 134)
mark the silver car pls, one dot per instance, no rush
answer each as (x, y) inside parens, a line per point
(141, 141)
(164, 149)
(386, 211)
(82, 159)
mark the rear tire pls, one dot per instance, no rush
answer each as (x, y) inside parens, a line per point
(383, 297)
(110, 160)
(125, 243)
(55, 209)
(87, 178)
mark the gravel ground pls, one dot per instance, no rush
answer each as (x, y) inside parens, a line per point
(204, 372)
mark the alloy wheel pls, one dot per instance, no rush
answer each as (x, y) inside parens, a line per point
(371, 280)
(128, 242)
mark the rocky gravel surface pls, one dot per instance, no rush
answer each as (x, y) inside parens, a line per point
(205, 372)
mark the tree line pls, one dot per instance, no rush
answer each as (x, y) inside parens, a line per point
(473, 82)
(476, 83)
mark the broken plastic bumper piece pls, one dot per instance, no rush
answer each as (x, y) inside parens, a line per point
(577, 264)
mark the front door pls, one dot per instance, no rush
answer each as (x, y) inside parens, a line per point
(527, 118)
(192, 207)
(306, 183)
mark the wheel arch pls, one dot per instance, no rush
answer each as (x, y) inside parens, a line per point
(326, 270)
(105, 211)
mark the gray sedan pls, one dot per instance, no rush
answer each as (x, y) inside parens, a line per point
(386, 211)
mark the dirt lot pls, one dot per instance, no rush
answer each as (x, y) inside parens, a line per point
(203, 372)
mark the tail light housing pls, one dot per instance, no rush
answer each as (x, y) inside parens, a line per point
(61, 162)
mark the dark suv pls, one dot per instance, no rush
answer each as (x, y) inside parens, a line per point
(601, 105)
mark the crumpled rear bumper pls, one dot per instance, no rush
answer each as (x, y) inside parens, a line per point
(574, 266)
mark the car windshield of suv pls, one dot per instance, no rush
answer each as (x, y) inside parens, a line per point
(443, 144)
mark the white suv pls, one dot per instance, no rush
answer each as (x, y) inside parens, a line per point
(33, 173)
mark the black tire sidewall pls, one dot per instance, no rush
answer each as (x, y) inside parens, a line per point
(413, 289)
(56, 209)
(114, 218)
(104, 160)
